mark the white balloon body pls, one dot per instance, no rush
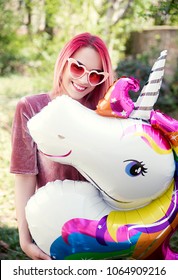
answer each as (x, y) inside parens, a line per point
(130, 162)
(58, 202)
(129, 205)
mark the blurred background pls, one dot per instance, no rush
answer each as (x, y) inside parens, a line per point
(32, 34)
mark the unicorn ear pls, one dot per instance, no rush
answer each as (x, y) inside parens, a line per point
(150, 92)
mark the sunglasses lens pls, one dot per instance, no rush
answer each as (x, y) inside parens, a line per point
(96, 78)
(76, 70)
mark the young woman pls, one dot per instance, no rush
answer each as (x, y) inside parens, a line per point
(83, 71)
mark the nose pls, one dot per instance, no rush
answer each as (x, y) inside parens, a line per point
(84, 79)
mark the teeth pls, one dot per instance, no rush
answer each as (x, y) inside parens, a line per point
(79, 87)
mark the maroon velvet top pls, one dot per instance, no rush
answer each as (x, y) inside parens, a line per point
(25, 158)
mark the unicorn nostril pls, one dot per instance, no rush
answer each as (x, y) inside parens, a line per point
(61, 136)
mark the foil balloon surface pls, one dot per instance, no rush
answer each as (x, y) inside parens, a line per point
(128, 207)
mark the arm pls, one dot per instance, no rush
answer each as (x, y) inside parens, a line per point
(24, 189)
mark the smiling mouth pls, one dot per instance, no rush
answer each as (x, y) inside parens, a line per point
(78, 88)
(57, 156)
(119, 201)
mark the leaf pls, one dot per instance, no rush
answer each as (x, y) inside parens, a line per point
(3, 246)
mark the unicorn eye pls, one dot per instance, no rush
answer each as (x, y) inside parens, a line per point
(135, 168)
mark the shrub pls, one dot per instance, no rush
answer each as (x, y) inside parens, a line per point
(168, 97)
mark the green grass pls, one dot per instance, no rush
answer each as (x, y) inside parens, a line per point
(11, 89)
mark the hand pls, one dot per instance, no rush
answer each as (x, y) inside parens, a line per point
(22, 195)
(34, 252)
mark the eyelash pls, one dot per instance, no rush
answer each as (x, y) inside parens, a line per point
(135, 168)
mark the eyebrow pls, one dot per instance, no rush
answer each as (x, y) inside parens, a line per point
(98, 70)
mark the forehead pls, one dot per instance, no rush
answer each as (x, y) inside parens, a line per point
(89, 57)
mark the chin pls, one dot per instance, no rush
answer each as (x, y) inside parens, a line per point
(77, 96)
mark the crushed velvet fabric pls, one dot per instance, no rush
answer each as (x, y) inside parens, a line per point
(25, 157)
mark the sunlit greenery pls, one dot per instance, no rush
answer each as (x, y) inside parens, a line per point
(32, 33)
(12, 88)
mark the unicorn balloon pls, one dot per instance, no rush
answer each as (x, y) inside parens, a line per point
(128, 153)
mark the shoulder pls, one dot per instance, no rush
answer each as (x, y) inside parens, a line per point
(37, 101)
(33, 104)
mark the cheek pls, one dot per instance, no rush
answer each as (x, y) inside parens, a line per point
(65, 75)
(66, 79)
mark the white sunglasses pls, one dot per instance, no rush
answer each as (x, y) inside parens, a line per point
(78, 70)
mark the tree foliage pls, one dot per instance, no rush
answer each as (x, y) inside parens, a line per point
(34, 31)
(9, 41)
(164, 12)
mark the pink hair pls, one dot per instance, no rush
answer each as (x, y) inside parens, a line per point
(79, 41)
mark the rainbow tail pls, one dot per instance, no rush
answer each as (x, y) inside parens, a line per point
(169, 127)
